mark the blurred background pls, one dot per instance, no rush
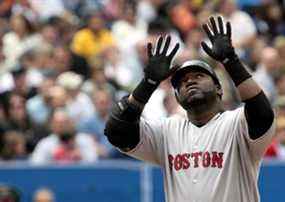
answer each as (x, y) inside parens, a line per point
(63, 63)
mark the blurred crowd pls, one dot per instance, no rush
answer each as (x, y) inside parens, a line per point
(63, 63)
(10, 193)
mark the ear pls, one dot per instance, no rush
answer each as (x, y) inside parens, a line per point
(219, 91)
(176, 93)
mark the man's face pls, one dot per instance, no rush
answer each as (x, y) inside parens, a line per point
(61, 123)
(196, 88)
(95, 23)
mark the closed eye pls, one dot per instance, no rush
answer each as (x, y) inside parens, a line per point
(199, 75)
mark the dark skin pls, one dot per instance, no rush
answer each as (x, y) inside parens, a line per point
(199, 92)
(199, 96)
(221, 49)
(158, 64)
(203, 104)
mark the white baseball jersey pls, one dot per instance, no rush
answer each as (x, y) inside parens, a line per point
(217, 162)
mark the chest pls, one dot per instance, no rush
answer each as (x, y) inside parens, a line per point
(193, 147)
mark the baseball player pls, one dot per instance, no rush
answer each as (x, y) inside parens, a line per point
(213, 155)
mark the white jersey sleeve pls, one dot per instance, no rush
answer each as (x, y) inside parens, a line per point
(219, 157)
(258, 146)
(150, 147)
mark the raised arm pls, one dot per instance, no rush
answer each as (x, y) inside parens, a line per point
(258, 111)
(122, 127)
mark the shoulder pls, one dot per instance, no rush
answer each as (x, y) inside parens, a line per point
(83, 33)
(105, 32)
(48, 142)
(36, 100)
(168, 123)
(232, 117)
(176, 120)
(241, 15)
(84, 138)
(10, 36)
(232, 113)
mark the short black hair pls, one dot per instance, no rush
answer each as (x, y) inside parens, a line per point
(18, 70)
(158, 25)
(9, 192)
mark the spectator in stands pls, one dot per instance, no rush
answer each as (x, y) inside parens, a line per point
(158, 26)
(242, 38)
(95, 125)
(155, 109)
(64, 145)
(9, 194)
(277, 147)
(58, 97)
(18, 120)
(183, 10)
(131, 29)
(99, 80)
(275, 18)
(43, 195)
(49, 34)
(192, 42)
(171, 106)
(94, 39)
(66, 60)
(47, 8)
(3, 66)
(266, 72)
(14, 146)
(109, 52)
(5, 8)
(21, 38)
(76, 99)
(117, 70)
(39, 107)
(34, 74)
(280, 85)
(255, 56)
(279, 44)
(16, 83)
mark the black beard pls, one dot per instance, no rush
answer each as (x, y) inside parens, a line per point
(199, 103)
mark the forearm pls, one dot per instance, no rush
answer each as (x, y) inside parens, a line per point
(258, 111)
(245, 43)
(142, 93)
(122, 127)
(133, 101)
(246, 86)
(259, 115)
(248, 89)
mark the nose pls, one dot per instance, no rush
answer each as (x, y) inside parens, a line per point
(191, 82)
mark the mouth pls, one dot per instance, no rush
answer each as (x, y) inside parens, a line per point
(192, 90)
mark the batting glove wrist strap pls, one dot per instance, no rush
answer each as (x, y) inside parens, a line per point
(236, 70)
(144, 90)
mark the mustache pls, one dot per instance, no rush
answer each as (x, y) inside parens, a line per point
(193, 86)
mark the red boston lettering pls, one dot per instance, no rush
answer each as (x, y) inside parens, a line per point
(217, 159)
(199, 159)
(206, 160)
(170, 161)
(178, 162)
(196, 155)
(185, 161)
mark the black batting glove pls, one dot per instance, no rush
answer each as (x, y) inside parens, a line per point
(158, 67)
(222, 49)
